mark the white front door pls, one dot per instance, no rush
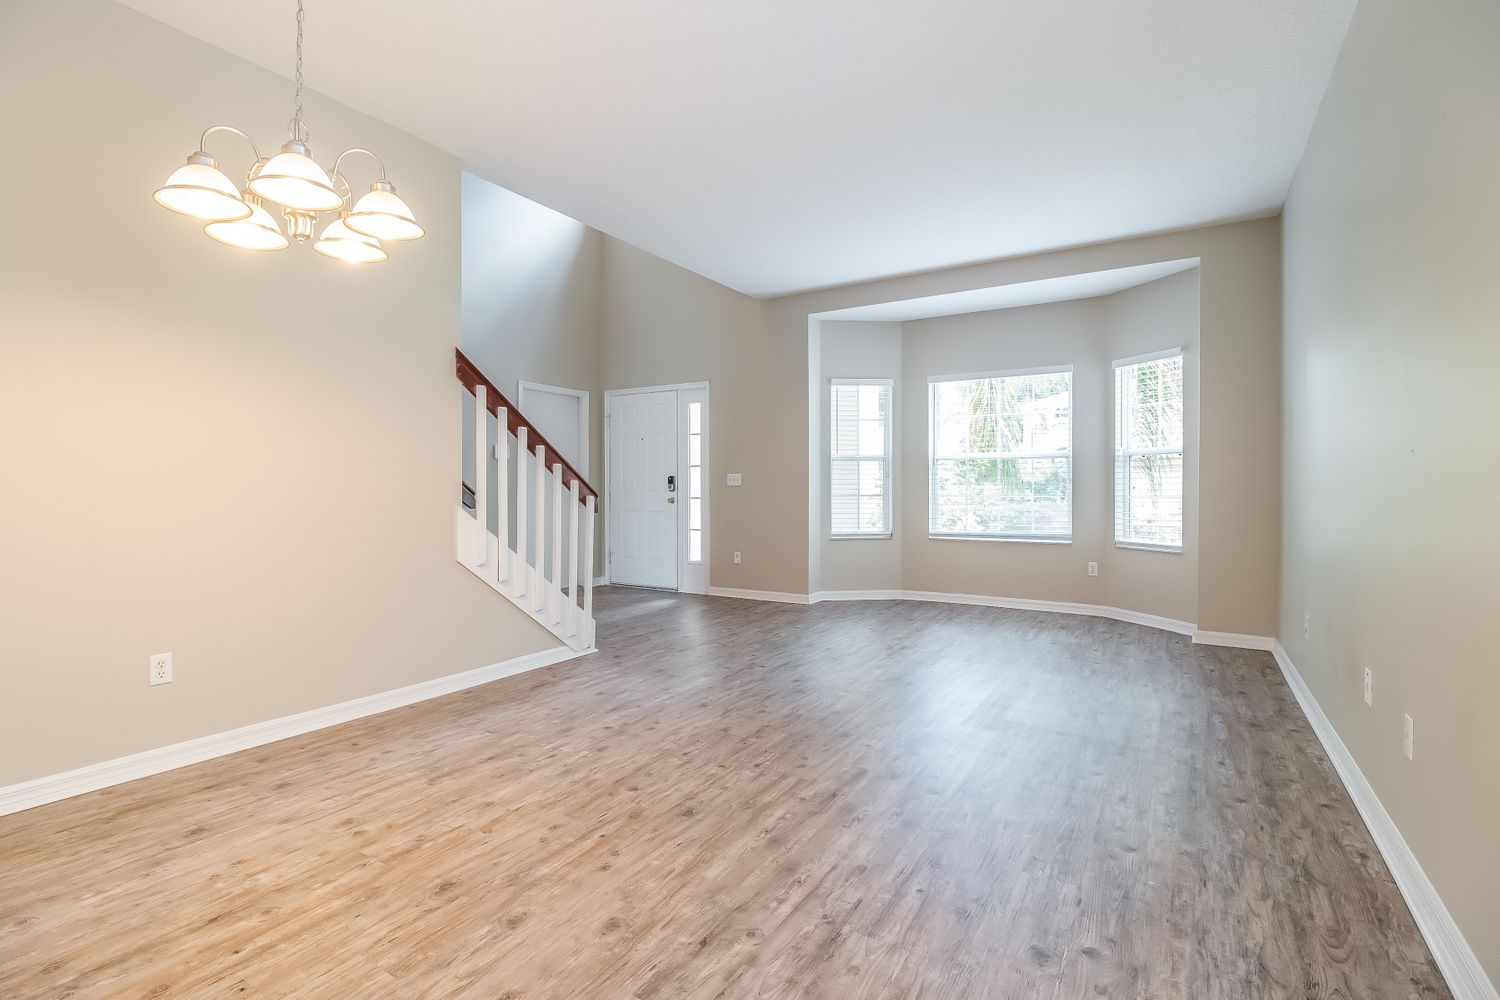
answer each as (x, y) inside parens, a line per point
(642, 496)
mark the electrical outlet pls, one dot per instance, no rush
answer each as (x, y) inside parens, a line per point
(1406, 743)
(1369, 687)
(161, 668)
(737, 559)
(735, 479)
(1093, 569)
(1307, 626)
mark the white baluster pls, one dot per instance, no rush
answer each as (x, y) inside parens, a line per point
(588, 567)
(539, 590)
(573, 557)
(521, 577)
(555, 593)
(481, 475)
(502, 497)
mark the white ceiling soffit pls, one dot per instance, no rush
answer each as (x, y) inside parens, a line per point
(1024, 293)
(782, 145)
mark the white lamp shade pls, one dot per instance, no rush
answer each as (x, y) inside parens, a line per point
(383, 215)
(259, 232)
(342, 243)
(202, 192)
(294, 180)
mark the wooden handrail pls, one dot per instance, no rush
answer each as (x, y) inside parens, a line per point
(471, 377)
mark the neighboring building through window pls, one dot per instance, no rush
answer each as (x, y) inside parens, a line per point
(695, 482)
(1148, 452)
(1001, 455)
(859, 473)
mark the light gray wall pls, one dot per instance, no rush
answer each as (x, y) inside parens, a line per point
(1392, 348)
(248, 460)
(532, 292)
(859, 350)
(532, 286)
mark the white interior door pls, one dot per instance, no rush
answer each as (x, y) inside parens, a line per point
(642, 502)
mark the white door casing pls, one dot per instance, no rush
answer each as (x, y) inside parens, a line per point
(642, 510)
(562, 415)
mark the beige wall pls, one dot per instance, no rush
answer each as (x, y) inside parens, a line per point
(858, 350)
(1088, 335)
(249, 460)
(665, 325)
(1062, 333)
(1140, 320)
(1392, 345)
(1239, 409)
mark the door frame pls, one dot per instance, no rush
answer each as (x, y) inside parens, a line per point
(582, 395)
(692, 578)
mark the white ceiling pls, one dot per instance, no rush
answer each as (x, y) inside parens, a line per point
(781, 145)
(1022, 293)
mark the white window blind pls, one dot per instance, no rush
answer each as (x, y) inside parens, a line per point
(1001, 456)
(1148, 452)
(859, 473)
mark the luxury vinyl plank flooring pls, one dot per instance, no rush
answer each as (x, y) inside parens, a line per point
(737, 799)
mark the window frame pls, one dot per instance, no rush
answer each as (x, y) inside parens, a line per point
(887, 462)
(1130, 453)
(933, 457)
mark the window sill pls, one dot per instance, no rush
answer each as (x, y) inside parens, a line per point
(999, 538)
(861, 538)
(1175, 550)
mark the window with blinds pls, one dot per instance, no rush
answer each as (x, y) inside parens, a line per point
(1148, 452)
(859, 473)
(1001, 456)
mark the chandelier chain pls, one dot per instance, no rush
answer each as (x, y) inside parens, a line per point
(297, 132)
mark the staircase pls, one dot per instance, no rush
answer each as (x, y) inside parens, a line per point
(526, 525)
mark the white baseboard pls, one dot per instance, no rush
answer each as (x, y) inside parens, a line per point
(1200, 636)
(40, 791)
(1055, 607)
(601, 581)
(856, 595)
(1237, 639)
(759, 595)
(1455, 959)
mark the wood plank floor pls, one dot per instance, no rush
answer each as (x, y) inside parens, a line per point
(738, 799)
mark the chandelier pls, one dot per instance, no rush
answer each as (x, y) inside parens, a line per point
(292, 182)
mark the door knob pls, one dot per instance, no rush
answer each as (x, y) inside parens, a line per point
(671, 499)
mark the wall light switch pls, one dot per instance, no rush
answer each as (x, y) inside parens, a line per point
(736, 558)
(1369, 687)
(1093, 569)
(736, 479)
(161, 668)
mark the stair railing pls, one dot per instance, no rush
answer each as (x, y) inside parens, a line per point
(528, 578)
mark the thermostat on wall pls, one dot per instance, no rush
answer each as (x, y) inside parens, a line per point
(735, 479)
